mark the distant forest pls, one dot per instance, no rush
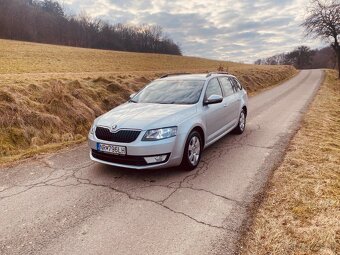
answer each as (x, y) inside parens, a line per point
(46, 22)
(303, 57)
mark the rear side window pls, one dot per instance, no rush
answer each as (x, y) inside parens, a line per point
(227, 86)
(213, 88)
(236, 83)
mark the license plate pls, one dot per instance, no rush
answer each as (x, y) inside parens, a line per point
(112, 149)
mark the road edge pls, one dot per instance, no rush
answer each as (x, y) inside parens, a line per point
(257, 190)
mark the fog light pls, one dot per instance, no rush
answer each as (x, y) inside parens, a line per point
(155, 159)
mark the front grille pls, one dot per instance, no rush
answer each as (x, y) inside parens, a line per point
(124, 160)
(122, 136)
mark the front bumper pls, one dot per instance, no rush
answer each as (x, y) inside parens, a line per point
(137, 151)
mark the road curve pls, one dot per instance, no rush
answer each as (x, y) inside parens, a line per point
(66, 204)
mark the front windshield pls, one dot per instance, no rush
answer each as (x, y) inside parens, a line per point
(170, 92)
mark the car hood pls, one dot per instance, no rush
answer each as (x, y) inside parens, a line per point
(146, 116)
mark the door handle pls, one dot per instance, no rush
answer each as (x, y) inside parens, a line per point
(225, 105)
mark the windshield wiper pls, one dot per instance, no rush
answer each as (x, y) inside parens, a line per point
(167, 103)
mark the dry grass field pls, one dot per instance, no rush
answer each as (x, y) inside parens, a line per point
(25, 57)
(49, 95)
(300, 213)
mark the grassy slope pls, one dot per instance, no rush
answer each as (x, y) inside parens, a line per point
(49, 94)
(300, 213)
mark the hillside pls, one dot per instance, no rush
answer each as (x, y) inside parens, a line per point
(24, 57)
(48, 21)
(49, 95)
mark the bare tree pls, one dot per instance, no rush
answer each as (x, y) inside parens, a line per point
(323, 21)
(300, 57)
(303, 57)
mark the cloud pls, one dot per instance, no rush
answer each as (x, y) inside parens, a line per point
(229, 30)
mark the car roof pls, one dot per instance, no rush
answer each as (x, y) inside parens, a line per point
(201, 76)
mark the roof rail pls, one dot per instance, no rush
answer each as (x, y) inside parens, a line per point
(211, 73)
(172, 74)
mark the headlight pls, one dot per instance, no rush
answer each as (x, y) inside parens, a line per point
(93, 128)
(159, 134)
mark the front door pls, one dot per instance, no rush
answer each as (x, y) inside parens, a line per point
(214, 113)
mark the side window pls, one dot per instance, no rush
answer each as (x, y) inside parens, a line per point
(236, 84)
(227, 86)
(213, 88)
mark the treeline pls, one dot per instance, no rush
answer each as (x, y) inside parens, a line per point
(46, 22)
(303, 57)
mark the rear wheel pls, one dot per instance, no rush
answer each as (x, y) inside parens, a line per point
(241, 123)
(192, 151)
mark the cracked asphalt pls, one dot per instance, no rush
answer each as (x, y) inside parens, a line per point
(66, 204)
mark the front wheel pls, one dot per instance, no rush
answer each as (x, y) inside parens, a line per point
(192, 151)
(239, 129)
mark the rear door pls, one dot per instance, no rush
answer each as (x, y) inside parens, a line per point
(241, 93)
(231, 101)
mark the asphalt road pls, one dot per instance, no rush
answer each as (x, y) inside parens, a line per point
(66, 204)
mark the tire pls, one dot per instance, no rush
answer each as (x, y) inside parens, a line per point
(241, 125)
(192, 151)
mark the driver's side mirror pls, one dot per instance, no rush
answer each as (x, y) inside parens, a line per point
(213, 99)
(132, 95)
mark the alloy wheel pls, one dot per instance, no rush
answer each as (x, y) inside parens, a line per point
(194, 150)
(242, 121)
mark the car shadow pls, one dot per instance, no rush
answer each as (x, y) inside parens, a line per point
(149, 175)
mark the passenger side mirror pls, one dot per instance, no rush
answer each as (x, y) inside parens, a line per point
(132, 95)
(213, 99)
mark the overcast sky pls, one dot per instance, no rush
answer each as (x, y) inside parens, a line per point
(224, 29)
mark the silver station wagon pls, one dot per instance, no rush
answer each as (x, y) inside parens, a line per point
(170, 122)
